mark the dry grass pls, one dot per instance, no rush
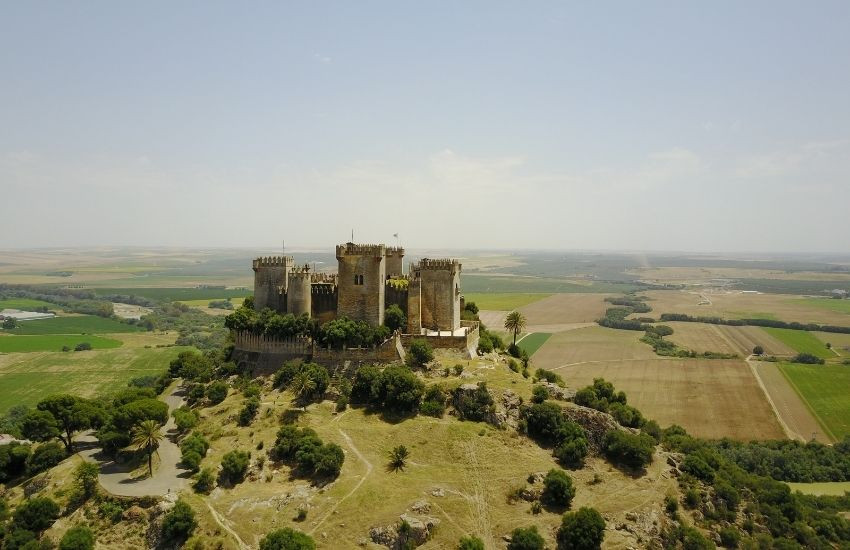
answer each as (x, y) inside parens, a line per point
(591, 345)
(564, 309)
(725, 339)
(702, 274)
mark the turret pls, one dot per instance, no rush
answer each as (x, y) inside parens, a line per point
(395, 261)
(299, 294)
(440, 293)
(270, 281)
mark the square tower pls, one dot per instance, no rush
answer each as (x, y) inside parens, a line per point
(361, 282)
(439, 282)
(270, 281)
(395, 261)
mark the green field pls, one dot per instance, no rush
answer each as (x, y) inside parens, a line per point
(800, 340)
(25, 304)
(834, 488)
(824, 388)
(75, 324)
(52, 342)
(476, 284)
(88, 374)
(533, 341)
(840, 306)
(177, 294)
(503, 301)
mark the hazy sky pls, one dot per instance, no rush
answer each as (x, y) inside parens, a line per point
(705, 126)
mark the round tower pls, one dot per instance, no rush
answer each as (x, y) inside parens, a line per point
(299, 298)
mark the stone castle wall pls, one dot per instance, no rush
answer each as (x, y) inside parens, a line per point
(270, 279)
(440, 290)
(361, 280)
(299, 296)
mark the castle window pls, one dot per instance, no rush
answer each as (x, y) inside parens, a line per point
(358, 279)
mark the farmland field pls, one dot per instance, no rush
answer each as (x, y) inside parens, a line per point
(533, 342)
(476, 283)
(702, 337)
(801, 341)
(735, 305)
(561, 309)
(835, 488)
(503, 301)
(73, 324)
(25, 378)
(177, 294)
(709, 398)
(26, 304)
(593, 345)
(825, 389)
(794, 413)
(52, 342)
(840, 306)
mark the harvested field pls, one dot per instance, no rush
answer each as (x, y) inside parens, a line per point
(834, 488)
(591, 344)
(709, 398)
(840, 342)
(702, 337)
(788, 405)
(565, 309)
(736, 305)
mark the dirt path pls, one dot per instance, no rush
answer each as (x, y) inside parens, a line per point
(167, 477)
(222, 522)
(369, 467)
(792, 413)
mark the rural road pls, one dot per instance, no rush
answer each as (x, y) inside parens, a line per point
(167, 477)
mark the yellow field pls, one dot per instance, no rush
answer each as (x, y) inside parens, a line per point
(725, 339)
(561, 309)
(591, 345)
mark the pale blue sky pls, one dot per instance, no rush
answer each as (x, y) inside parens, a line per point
(713, 126)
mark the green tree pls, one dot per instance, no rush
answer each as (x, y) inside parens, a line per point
(217, 392)
(9, 323)
(558, 489)
(146, 436)
(36, 514)
(526, 538)
(303, 387)
(85, 478)
(77, 538)
(205, 482)
(287, 539)
(515, 322)
(583, 529)
(45, 457)
(71, 413)
(758, 350)
(539, 394)
(234, 465)
(420, 353)
(394, 318)
(179, 523)
(398, 457)
(39, 426)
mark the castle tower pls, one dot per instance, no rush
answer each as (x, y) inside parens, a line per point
(395, 261)
(270, 281)
(439, 294)
(414, 302)
(361, 281)
(299, 298)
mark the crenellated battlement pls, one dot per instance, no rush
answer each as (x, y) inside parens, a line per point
(273, 261)
(394, 251)
(302, 271)
(328, 278)
(352, 249)
(440, 264)
(322, 288)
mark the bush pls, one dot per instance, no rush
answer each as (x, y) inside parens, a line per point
(558, 489)
(807, 359)
(513, 365)
(35, 514)
(420, 353)
(549, 376)
(249, 411)
(397, 389)
(514, 351)
(394, 318)
(13, 460)
(234, 465)
(730, 537)
(77, 538)
(82, 346)
(205, 482)
(185, 418)
(758, 350)
(572, 452)
(526, 538)
(179, 523)
(539, 394)
(192, 461)
(583, 529)
(85, 479)
(45, 456)
(477, 406)
(470, 543)
(304, 448)
(634, 451)
(697, 467)
(217, 392)
(287, 539)
(361, 388)
(434, 402)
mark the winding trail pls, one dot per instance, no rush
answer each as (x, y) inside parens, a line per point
(168, 477)
(369, 467)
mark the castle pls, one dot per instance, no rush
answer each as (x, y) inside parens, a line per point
(369, 278)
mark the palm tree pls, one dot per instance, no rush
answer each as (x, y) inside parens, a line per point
(147, 435)
(398, 457)
(515, 322)
(303, 387)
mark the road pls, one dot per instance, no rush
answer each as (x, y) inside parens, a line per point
(167, 477)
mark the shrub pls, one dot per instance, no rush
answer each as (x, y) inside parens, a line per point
(758, 350)
(397, 389)
(361, 388)
(287, 539)
(807, 359)
(234, 465)
(394, 318)
(634, 451)
(420, 353)
(45, 456)
(77, 538)
(730, 537)
(205, 482)
(249, 411)
(558, 489)
(13, 460)
(179, 523)
(572, 452)
(477, 406)
(192, 461)
(526, 538)
(514, 351)
(85, 479)
(35, 514)
(434, 402)
(185, 418)
(303, 447)
(549, 376)
(458, 369)
(341, 403)
(513, 365)
(82, 346)
(583, 529)
(539, 394)
(470, 543)
(217, 392)
(671, 505)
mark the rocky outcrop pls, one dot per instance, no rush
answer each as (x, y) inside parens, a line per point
(595, 423)
(414, 527)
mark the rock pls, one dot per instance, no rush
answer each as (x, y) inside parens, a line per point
(536, 477)
(421, 527)
(631, 516)
(557, 392)
(421, 507)
(596, 424)
(438, 492)
(510, 400)
(530, 494)
(385, 536)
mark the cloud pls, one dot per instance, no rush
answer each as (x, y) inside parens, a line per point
(324, 59)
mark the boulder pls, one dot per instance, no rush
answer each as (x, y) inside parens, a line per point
(134, 513)
(421, 527)
(595, 423)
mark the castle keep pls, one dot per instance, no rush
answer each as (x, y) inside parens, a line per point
(369, 278)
